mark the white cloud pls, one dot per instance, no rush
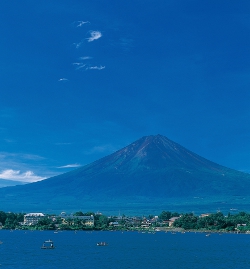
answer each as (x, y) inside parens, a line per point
(81, 23)
(95, 67)
(94, 35)
(70, 166)
(63, 79)
(16, 175)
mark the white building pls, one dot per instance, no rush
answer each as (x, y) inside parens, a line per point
(32, 218)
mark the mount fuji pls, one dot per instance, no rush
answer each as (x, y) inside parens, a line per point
(150, 175)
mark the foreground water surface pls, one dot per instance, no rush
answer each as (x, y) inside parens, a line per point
(22, 249)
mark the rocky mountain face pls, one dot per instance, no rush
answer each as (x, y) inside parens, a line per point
(152, 172)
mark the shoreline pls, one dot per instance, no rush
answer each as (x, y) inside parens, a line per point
(155, 230)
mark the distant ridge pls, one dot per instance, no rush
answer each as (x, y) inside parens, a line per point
(8, 183)
(152, 172)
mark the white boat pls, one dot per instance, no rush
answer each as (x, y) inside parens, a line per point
(101, 244)
(48, 244)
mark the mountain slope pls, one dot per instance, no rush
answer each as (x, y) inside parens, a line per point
(151, 171)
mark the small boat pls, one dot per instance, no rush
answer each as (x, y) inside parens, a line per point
(48, 244)
(101, 244)
(207, 234)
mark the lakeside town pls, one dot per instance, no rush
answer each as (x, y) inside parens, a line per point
(165, 221)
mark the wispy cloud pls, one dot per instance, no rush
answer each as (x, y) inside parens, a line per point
(22, 156)
(81, 23)
(70, 165)
(16, 175)
(87, 67)
(7, 140)
(101, 149)
(95, 67)
(31, 157)
(94, 35)
(85, 58)
(126, 44)
(78, 45)
(63, 79)
(79, 65)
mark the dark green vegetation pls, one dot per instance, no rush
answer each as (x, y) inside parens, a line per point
(213, 222)
(148, 175)
(10, 220)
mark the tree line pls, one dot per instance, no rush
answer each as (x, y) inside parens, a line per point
(187, 221)
(215, 222)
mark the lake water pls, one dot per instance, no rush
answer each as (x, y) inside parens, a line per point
(22, 249)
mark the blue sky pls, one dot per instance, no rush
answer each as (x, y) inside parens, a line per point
(82, 79)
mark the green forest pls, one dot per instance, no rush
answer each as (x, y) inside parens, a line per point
(215, 222)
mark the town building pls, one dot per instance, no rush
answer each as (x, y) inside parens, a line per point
(32, 218)
(205, 215)
(87, 220)
(172, 220)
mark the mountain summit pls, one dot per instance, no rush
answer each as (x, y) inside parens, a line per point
(149, 173)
